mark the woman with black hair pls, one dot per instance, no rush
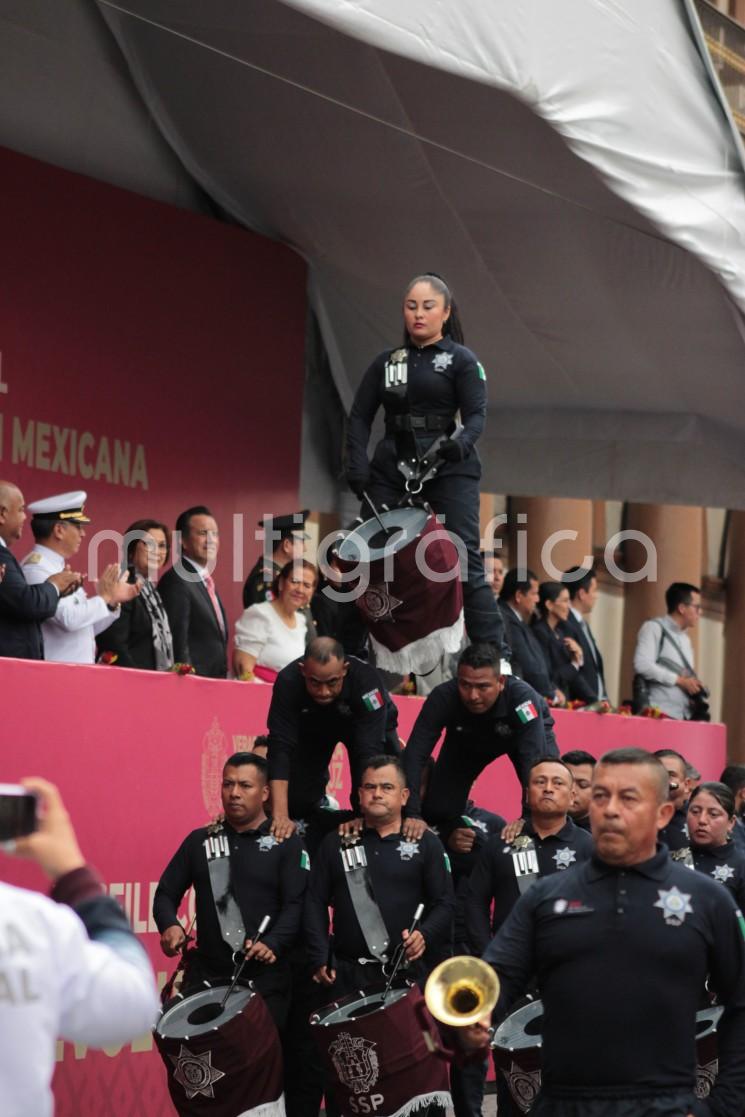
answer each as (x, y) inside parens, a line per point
(422, 386)
(711, 819)
(141, 635)
(563, 653)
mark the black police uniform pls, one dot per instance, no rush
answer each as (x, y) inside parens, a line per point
(258, 584)
(443, 378)
(724, 863)
(583, 822)
(402, 874)
(675, 834)
(518, 724)
(267, 878)
(493, 878)
(303, 735)
(738, 835)
(621, 955)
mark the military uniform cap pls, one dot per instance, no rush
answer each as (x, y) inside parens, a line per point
(291, 524)
(66, 507)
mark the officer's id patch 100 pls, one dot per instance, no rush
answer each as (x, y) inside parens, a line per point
(564, 857)
(676, 905)
(526, 711)
(267, 842)
(304, 860)
(373, 700)
(441, 361)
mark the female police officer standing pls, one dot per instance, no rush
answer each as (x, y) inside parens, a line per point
(422, 386)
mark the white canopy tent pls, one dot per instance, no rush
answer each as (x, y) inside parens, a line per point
(570, 168)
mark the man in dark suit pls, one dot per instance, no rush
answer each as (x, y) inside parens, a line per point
(198, 623)
(23, 607)
(583, 590)
(517, 602)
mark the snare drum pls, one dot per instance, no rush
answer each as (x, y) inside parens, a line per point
(413, 601)
(221, 1059)
(382, 1057)
(517, 1053)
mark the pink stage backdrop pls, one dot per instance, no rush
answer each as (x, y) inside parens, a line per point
(138, 757)
(149, 356)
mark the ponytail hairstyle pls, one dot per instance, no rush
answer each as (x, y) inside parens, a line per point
(453, 327)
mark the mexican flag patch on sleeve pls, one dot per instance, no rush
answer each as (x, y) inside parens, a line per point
(373, 700)
(526, 711)
(304, 860)
(480, 367)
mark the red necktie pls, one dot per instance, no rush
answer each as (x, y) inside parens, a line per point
(209, 582)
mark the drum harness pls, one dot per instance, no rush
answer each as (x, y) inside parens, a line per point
(369, 917)
(420, 468)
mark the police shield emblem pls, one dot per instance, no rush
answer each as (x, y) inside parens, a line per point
(355, 1062)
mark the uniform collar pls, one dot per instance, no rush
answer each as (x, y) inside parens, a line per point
(445, 344)
(655, 868)
(397, 837)
(257, 833)
(717, 853)
(566, 833)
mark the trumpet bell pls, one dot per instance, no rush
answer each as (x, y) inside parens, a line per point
(461, 990)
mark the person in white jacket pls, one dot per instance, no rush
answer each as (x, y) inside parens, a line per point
(70, 966)
(664, 653)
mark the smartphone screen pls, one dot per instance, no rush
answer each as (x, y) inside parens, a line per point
(17, 812)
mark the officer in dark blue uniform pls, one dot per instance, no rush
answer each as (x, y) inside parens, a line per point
(421, 387)
(287, 545)
(621, 947)
(484, 715)
(549, 843)
(317, 702)
(711, 820)
(675, 833)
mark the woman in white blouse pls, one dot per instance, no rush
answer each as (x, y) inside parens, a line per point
(272, 634)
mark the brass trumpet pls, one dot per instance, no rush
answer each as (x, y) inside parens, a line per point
(461, 990)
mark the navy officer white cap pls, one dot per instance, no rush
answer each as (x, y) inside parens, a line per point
(63, 506)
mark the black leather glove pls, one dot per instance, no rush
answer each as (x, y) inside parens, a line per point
(358, 483)
(451, 450)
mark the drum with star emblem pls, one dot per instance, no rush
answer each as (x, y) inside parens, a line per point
(382, 1053)
(412, 597)
(517, 1046)
(222, 1061)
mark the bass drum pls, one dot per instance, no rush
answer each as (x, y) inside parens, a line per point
(517, 1052)
(412, 599)
(225, 1060)
(382, 1057)
(517, 1046)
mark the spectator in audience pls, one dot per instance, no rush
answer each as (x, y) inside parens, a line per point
(289, 546)
(272, 634)
(518, 599)
(581, 764)
(664, 654)
(583, 590)
(23, 607)
(58, 525)
(493, 572)
(561, 651)
(195, 612)
(141, 637)
(734, 777)
(692, 775)
(675, 833)
(711, 820)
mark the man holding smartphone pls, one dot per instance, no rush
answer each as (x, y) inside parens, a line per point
(70, 966)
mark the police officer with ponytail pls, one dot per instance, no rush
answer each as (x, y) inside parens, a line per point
(422, 386)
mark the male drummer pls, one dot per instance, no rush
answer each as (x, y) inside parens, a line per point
(484, 714)
(318, 701)
(240, 873)
(549, 842)
(374, 882)
(619, 944)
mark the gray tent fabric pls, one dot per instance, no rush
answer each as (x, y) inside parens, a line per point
(570, 170)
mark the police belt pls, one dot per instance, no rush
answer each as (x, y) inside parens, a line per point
(357, 876)
(395, 424)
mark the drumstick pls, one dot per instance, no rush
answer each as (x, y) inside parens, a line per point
(400, 950)
(262, 927)
(376, 514)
